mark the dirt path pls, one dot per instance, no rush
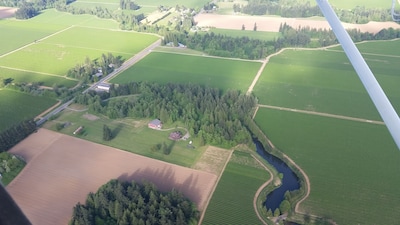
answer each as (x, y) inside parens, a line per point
(323, 114)
(260, 189)
(61, 170)
(47, 110)
(215, 186)
(27, 45)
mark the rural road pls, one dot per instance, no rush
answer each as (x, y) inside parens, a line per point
(128, 63)
(322, 114)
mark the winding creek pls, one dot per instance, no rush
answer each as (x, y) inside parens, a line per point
(290, 181)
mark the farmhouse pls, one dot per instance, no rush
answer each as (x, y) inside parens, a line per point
(103, 87)
(155, 124)
(176, 135)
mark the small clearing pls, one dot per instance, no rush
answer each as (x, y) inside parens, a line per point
(213, 160)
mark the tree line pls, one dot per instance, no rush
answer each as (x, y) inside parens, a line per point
(213, 116)
(16, 133)
(123, 203)
(248, 48)
(87, 70)
(292, 9)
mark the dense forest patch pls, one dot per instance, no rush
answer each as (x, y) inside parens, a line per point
(132, 203)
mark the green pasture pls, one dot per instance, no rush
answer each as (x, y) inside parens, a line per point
(226, 7)
(16, 106)
(131, 135)
(90, 5)
(261, 35)
(345, 4)
(56, 54)
(353, 166)
(387, 48)
(324, 81)
(189, 4)
(232, 200)
(118, 42)
(177, 68)
(30, 77)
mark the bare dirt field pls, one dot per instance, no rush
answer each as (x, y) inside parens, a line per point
(272, 24)
(6, 12)
(61, 170)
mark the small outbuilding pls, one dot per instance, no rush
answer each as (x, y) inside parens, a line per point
(103, 87)
(155, 124)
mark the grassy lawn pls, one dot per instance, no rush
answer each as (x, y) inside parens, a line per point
(352, 166)
(16, 106)
(130, 135)
(232, 201)
(262, 35)
(324, 81)
(176, 68)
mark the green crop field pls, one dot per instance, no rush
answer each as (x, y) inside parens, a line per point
(19, 76)
(131, 135)
(353, 166)
(176, 68)
(262, 35)
(15, 34)
(56, 54)
(344, 4)
(325, 81)
(232, 200)
(16, 106)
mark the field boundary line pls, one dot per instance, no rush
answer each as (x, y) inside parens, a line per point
(43, 73)
(261, 188)
(79, 47)
(32, 43)
(322, 114)
(208, 56)
(47, 110)
(215, 187)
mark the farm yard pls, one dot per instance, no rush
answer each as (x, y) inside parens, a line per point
(61, 170)
(342, 158)
(165, 68)
(130, 135)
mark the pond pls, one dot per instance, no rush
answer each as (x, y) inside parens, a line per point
(290, 181)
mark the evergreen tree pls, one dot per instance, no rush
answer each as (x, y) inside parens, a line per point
(107, 133)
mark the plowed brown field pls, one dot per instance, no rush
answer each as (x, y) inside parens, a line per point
(61, 170)
(7, 12)
(265, 23)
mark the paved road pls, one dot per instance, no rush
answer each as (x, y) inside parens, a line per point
(323, 114)
(123, 67)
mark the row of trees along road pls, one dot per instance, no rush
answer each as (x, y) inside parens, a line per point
(213, 116)
(123, 203)
(15, 134)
